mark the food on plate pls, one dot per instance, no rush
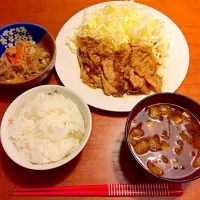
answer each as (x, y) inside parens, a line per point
(137, 131)
(165, 138)
(154, 168)
(164, 159)
(196, 162)
(120, 48)
(23, 62)
(141, 147)
(48, 128)
(132, 69)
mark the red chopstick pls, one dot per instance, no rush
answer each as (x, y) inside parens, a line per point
(145, 186)
(160, 189)
(112, 193)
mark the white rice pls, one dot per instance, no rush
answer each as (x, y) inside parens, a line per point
(48, 128)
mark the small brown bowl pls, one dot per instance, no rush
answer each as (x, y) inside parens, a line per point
(9, 34)
(168, 98)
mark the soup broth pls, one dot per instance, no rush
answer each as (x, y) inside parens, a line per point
(166, 140)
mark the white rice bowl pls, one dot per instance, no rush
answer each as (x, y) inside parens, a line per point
(45, 127)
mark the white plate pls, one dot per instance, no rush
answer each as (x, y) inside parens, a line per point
(67, 66)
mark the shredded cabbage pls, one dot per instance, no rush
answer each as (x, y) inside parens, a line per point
(123, 23)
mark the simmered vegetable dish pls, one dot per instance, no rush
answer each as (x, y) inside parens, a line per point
(166, 139)
(23, 62)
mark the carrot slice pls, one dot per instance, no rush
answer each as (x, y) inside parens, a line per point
(18, 53)
(11, 59)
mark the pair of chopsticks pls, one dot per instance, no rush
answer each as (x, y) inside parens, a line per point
(123, 190)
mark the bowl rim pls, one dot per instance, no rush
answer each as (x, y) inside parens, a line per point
(131, 149)
(66, 159)
(27, 23)
(52, 59)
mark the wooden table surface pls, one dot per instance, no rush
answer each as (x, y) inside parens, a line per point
(105, 158)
